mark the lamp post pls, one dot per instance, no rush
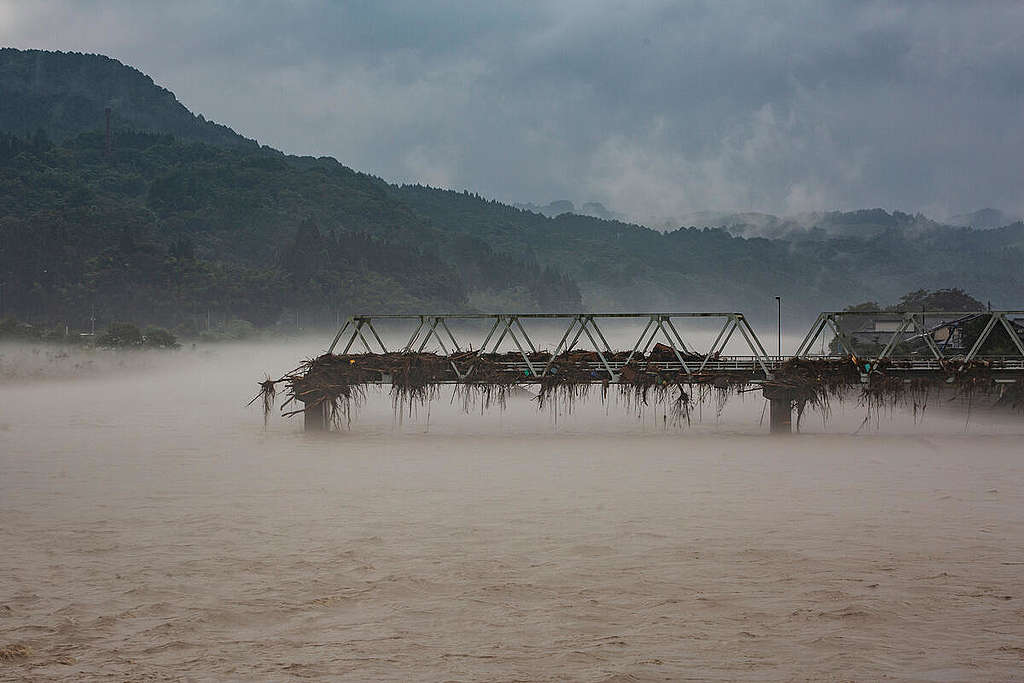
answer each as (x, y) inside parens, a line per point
(778, 300)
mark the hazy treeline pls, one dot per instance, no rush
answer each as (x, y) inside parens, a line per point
(164, 230)
(190, 222)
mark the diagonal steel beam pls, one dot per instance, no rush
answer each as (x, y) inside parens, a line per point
(338, 336)
(432, 330)
(366, 344)
(896, 337)
(1014, 337)
(992, 319)
(840, 335)
(558, 349)
(714, 345)
(427, 335)
(654, 333)
(754, 343)
(415, 334)
(576, 338)
(526, 337)
(369, 324)
(352, 339)
(526, 358)
(600, 335)
(672, 345)
(728, 337)
(750, 330)
(357, 333)
(600, 354)
(504, 331)
(679, 337)
(650, 321)
(455, 343)
(921, 329)
(812, 336)
(494, 328)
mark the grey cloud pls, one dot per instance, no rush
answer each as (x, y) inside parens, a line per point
(655, 109)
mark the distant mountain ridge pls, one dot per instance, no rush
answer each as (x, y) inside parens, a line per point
(66, 93)
(826, 224)
(560, 206)
(809, 225)
(984, 219)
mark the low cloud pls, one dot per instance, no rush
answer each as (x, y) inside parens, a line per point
(656, 109)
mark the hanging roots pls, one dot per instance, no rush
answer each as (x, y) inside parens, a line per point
(488, 380)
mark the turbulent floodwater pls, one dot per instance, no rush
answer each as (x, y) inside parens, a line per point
(152, 529)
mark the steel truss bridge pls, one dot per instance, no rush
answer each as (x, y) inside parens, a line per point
(912, 349)
(607, 365)
(359, 335)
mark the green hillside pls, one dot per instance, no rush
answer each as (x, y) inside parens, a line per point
(66, 93)
(184, 218)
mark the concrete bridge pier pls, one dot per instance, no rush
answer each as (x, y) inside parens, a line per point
(780, 411)
(315, 417)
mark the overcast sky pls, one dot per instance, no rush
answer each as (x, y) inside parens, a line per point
(654, 108)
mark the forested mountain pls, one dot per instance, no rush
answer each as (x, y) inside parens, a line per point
(66, 93)
(162, 230)
(184, 217)
(622, 266)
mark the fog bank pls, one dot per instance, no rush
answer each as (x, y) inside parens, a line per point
(154, 528)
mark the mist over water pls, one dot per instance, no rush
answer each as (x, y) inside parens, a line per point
(154, 528)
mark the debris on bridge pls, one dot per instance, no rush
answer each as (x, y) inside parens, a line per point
(338, 382)
(334, 384)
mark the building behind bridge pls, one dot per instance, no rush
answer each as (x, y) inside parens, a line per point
(953, 335)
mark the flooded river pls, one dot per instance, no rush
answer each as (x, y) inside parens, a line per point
(151, 528)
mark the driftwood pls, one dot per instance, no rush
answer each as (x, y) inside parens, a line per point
(487, 380)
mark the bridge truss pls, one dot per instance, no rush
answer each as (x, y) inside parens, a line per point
(533, 364)
(919, 330)
(919, 340)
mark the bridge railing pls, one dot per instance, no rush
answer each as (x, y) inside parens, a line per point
(359, 331)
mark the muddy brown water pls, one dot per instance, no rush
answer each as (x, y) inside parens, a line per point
(151, 529)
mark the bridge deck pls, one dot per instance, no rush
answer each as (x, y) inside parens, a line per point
(970, 352)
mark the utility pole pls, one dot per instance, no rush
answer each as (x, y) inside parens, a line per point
(778, 300)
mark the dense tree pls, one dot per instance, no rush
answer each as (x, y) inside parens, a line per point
(121, 335)
(953, 299)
